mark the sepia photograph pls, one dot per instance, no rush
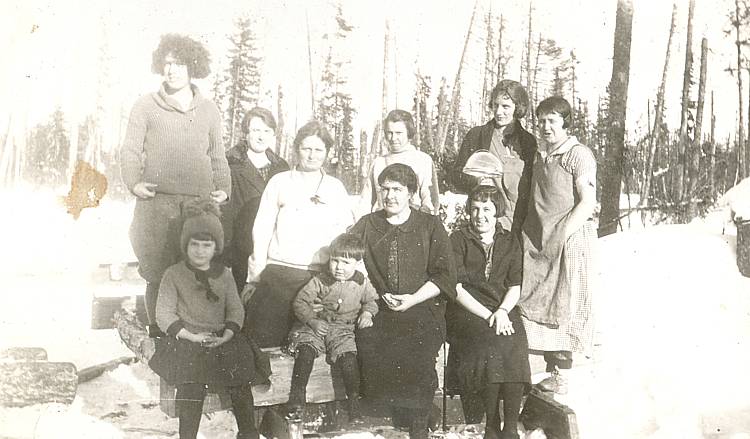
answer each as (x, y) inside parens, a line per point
(498, 219)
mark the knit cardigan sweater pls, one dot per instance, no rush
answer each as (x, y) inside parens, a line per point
(181, 151)
(182, 302)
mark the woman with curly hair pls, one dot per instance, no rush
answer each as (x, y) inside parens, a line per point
(172, 152)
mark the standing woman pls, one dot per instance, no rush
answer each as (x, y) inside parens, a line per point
(300, 213)
(172, 152)
(558, 242)
(485, 331)
(399, 131)
(506, 138)
(408, 259)
(252, 163)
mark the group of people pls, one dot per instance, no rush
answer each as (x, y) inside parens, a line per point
(241, 251)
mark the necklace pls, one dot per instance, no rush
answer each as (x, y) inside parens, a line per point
(316, 199)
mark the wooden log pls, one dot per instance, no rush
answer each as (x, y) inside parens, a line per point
(541, 411)
(134, 335)
(89, 373)
(36, 382)
(23, 354)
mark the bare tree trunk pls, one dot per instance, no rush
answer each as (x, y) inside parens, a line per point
(618, 88)
(7, 154)
(678, 183)
(363, 163)
(659, 114)
(418, 112)
(489, 55)
(377, 135)
(528, 66)
(500, 64)
(534, 96)
(443, 133)
(309, 64)
(280, 138)
(741, 131)
(712, 152)
(695, 157)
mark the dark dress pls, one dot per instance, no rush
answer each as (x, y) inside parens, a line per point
(398, 352)
(478, 356)
(238, 214)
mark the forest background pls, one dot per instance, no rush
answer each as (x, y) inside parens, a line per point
(667, 124)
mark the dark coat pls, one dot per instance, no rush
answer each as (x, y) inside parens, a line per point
(523, 143)
(238, 215)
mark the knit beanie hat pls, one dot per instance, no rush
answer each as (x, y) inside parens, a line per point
(201, 216)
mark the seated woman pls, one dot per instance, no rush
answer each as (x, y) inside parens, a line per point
(488, 346)
(300, 213)
(408, 259)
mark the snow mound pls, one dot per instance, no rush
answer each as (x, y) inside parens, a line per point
(673, 313)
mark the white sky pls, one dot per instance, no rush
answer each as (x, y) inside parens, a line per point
(52, 50)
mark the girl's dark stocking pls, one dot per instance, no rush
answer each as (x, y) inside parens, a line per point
(244, 411)
(189, 404)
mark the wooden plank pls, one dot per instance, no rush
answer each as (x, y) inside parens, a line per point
(541, 411)
(35, 382)
(23, 354)
(326, 384)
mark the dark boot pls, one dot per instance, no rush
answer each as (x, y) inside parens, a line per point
(401, 418)
(243, 407)
(303, 365)
(190, 408)
(512, 394)
(349, 367)
(419, 424)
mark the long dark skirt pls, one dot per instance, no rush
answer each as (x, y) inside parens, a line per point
(479, 357)
(398, 356)
(268, 314)
(180, 361)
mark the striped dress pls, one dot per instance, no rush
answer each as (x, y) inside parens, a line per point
(556, 293)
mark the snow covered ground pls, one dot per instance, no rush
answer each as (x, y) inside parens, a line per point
(673, 326)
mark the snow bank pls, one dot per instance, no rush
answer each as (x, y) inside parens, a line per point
(673, 315)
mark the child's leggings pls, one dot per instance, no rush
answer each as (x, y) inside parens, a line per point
(190, 398)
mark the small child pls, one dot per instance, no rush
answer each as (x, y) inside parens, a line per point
(200, 310)
(347, 298)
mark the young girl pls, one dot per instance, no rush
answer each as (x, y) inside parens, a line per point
(200, 310)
